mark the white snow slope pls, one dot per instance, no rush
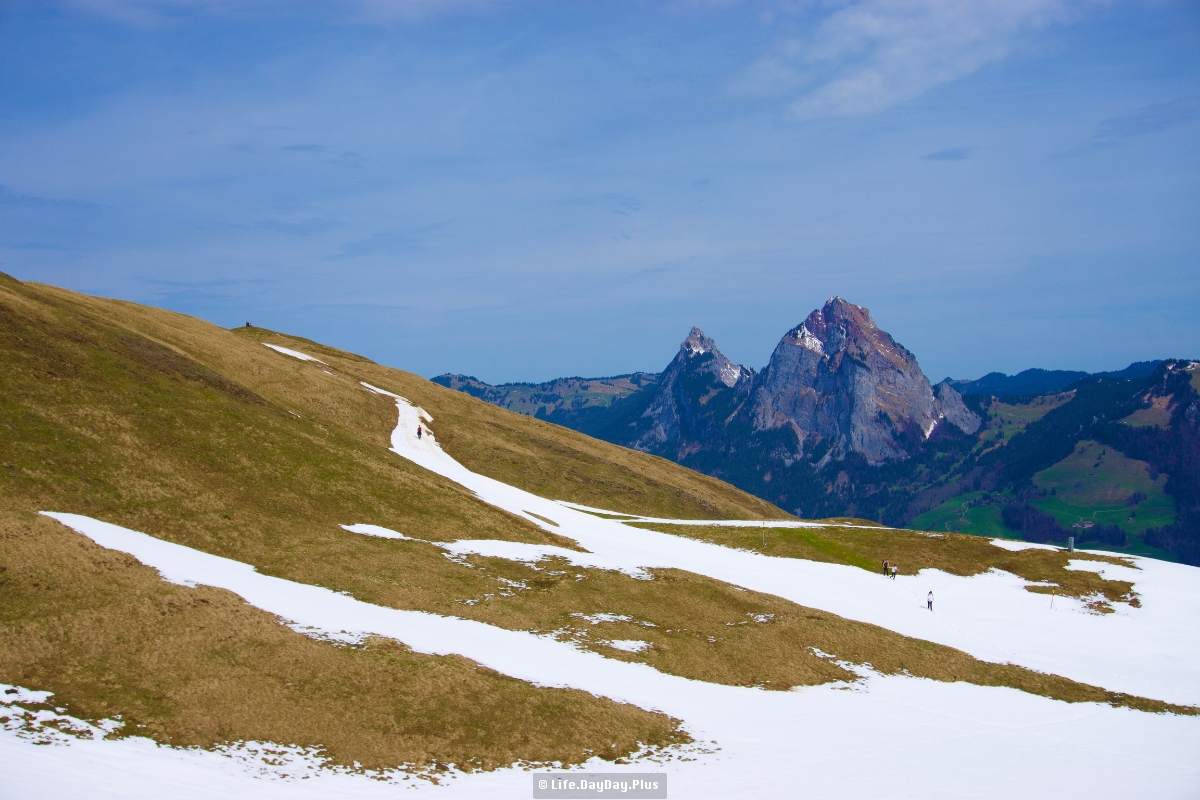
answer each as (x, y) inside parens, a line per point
(886, 737)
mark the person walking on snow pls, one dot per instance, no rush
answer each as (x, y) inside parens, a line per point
(418, 431)
(885, 568)
(929, 601)
(895, 569)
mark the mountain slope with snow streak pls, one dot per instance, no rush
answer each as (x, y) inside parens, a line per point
(1152, 651)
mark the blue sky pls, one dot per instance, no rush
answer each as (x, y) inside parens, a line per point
(522, 190)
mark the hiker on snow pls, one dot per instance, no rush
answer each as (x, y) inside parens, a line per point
(895, 569)
(885, 568)
(418, 431)
(929, 601)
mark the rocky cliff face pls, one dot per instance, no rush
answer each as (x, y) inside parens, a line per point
(950, 404)
(698, 384)
(838, 379)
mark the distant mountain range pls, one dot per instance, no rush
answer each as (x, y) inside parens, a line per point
(843, 422)
(1035, 382)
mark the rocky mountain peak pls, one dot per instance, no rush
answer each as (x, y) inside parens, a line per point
(724, 370)
(687, 390)
(838, 378)
(839, 313)
(840, 327)
(697, 343)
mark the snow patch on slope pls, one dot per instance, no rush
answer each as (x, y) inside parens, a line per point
(1016, 547)
(513, 551)
(809, 342)
(292, 353)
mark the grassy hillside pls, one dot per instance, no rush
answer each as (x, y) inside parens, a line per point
(966, 513)
(1006, 420)
(1096, 483)
(204, 437)
(199, 667)
(100, 419)
(1156, 415)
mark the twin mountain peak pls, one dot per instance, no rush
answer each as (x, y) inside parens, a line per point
(836, 384)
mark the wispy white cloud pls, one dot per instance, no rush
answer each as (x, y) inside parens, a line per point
(869, 55)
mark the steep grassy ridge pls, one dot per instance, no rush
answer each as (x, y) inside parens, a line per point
(1156, 415)
(534, 455)
(1006, 420)
(543, 458)
(99, 419)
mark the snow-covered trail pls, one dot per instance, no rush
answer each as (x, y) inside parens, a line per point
(1152, 652)
(891, 737)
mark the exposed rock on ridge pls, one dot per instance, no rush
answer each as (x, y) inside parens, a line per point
(953, 409)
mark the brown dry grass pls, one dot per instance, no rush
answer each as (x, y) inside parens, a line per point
(99, 420)
(913, 551)
(540, 457)
(200, 667)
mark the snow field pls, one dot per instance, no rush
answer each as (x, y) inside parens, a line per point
(942, 740)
